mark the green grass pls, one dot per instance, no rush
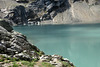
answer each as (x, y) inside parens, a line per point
(27, 63)
(1, 60)
(2, 56)
(45, 64)
(15, 65)
(12, 59)
(8, 59)
(35, 60)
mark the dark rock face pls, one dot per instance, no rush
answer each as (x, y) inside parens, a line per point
(45, 5)
(36, 11)
(18, 15)
(66, 11)
(6, 25)
(44, 9)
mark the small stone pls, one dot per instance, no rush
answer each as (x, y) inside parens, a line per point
(24, 51)
(16, 52)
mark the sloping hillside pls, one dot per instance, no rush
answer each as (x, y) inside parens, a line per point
(7, 3)
(56, 12)
(79, 13)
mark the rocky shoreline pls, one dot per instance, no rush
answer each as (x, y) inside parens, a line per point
(16, 50)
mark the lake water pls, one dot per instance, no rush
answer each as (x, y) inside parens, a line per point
(79, 43)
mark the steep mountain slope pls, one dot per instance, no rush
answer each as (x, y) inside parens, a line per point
(79, 13)
(51, 12)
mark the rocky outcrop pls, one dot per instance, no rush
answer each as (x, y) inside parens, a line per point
(44, 9)
(18, 15)
(6, 25)
(15, 45)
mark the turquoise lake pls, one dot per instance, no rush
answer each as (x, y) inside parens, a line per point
(79, 43)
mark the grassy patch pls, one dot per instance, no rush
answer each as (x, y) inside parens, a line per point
(1, 56)
(35, 60)
(27, 63)
(8, 59)
(1, 60)
(45, 64)
(15, 65)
